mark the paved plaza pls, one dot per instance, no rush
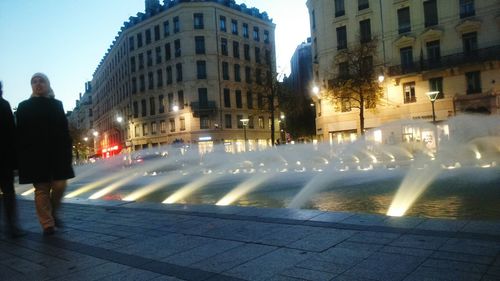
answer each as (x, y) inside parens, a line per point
(115, 240)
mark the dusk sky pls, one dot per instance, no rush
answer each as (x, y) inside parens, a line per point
(66, 39)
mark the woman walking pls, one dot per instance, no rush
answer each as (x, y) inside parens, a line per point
(8, 163)
(44, 150)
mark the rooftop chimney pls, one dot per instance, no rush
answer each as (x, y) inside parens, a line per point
(152, 5)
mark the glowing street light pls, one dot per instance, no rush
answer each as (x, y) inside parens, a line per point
(381, 78)
(244, 121)
(175, 108)
(119, 119)
(315, 90)
(432, 97)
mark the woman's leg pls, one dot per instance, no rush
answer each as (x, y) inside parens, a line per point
(43, 204)
(58, 188)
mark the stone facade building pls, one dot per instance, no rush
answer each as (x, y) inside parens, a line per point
(188, 72)
(448, 46)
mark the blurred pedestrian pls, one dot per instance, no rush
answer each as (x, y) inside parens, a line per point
(45, 150)
(8, 163)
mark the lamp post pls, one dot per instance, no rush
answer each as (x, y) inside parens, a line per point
(432, 97)
(283, 127)
(244, 121)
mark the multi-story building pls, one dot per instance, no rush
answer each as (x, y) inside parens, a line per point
(448, 46)
(301, 122)
(187, 71)
(81, 116)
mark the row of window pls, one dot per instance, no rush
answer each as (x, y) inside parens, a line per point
(198, 23)
(469, 44)
(201, 73)
(145, 129)
(139, 63)
(179, 103)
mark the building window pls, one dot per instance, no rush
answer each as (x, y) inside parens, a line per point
(142, 83)
(470, 43)
(148, 36)
(433, 52)
(266, 36)
(223, 46)
(430, 13)
(436, 84)
(249, 100)
(150, 81)
(246, 51)
(365, 31)
(409, 92)
(132, 64)
(258, 76)
(161, 104)
(149, 57)
(154, 128)
(198, 21)
(163, 127)
(168, 52)
(182, 122)
(257, 55)
(339, 8)
(178, 68)
(234, 27)
(158, 55)
(228, 122)
(177, 48)
(239, 103)
(139, 40)
(157, 32)
(260, 101)
(169, 75)
(170, 97)
(345, 105)
(225, 70)
(261, 122)
(313, 20)
(237, 75)
(134, 85)
(248, 74)
(363, 4)
(203, 97)
(236, 49)
(467, 8)
(180, 99)
(171, 121)
(136, 109)
(131, 43)
(137, 132)
(238, 120)
(204, 122)
(250, 122)
(256, 36)
(473, 82)
(141, 61)
(227, 98)
(177, 25)
(268, 57)
(404, 24)
(341, 38)
(152, 106)
(245, 30)
(166, 28)
(199, 45)
(343, 69)
(143, 108)
(406, 55)
(201, 69)
(222, 23)
(159, 76)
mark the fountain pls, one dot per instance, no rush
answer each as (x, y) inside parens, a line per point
(458, 179)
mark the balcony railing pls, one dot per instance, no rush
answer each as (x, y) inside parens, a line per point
(208, 108)
(479, 55)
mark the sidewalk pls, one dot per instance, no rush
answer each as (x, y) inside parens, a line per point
(106, 240)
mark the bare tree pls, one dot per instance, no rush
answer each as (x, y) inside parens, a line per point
(355, 84)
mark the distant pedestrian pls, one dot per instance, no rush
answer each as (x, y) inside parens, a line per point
(45, 150)
(8, 163)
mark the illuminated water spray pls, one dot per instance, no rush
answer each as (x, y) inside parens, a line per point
(243, 188)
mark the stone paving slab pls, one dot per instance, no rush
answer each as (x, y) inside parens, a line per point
(116, 240)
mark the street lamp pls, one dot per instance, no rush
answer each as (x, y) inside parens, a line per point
(282, 125)
(244, 121)
(432, 97)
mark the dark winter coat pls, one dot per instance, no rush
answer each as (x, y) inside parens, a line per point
(8, 159)
(44, 142)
